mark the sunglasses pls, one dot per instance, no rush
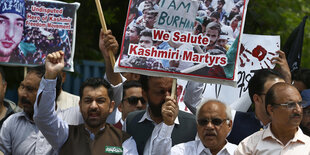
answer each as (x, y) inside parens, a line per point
(214, 121)
(133, 100)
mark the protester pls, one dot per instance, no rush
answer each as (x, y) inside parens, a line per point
(95, 106)
(7, 107)
(305, 123)
(132, 100)
(301, 79)
(12, 26)
(214, 122)
(161, 116)
(283, 136)
(19, 133)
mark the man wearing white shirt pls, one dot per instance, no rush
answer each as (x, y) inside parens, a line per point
(283, 136)
(214, 122)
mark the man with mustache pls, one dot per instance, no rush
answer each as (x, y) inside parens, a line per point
(95, 136)
(213, 124)
(283, 136)
(162, 117)
(12, 16)
(19, 134)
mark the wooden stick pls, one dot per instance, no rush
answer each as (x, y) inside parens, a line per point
(25, 71)
(104, 26)
(174, 87)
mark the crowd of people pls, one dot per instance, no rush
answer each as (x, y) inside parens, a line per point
(221, 24)
(47, 120)
(25, 44)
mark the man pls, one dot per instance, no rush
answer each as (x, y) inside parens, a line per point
(150, 19)
(305, 123)
(213, 124)
(146, 39)
(161, 117)
(7, 107)
(246, 124)
(132, 100)
(283, 136)
(12, 16)
(93, 137)
(19, 134)
(301, 79)
(219, 9)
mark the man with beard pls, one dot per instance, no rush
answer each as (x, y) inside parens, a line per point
(19, 134)
(160, 118)
(95, 136)
(283, 136)
(12, 16)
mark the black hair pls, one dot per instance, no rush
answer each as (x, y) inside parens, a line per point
(215, 14)
(302, 75)
(257, 82)
(138, 28)
(222, 1)
(135, 11)
(130, 84)
(144, 79)
(40, 71)
(146, 32)
(96, 83)
(214, 26)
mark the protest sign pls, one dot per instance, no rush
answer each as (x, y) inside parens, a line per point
(183, 39)
(255, 53)
(43, 26)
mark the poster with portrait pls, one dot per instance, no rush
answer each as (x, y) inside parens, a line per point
(31, 29)
(183, 39)
(256, 53)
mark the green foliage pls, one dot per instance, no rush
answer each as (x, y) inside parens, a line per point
(279, 17)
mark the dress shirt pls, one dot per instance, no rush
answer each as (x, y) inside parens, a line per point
(21, 136)
(265, 143)
(54, 128)
(161, 136)
(66, 100)
(197, 148)
(116, 115)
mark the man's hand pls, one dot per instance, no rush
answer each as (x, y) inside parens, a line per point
(282, 66)
(169, 110)
(54, 64)
(107, 42)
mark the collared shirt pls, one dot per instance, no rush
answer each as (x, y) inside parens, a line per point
(20, 136)
(54, 128)
(161, 135)
(197, 148)
(265, 143)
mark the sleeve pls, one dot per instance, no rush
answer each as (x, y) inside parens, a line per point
(193, 95)
(130, 147)
(54, 129)
(5, 137)
(244, 147)
(163, 142)
(117, 97)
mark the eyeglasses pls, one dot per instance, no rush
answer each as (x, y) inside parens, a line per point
(133, 100)
(214, 121)
(290, 105)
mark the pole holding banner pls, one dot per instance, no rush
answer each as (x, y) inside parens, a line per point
(174, 87)
(25, 71)
(104, 26)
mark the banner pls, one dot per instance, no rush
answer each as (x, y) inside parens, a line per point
(35, 28)
(183, 39)
(255, 53)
